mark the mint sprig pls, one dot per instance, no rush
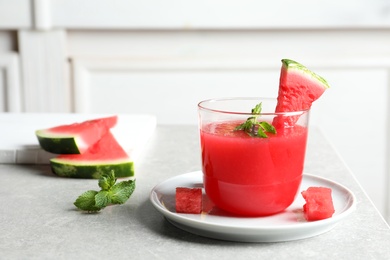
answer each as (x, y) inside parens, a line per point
(110, 193)
(255, 128)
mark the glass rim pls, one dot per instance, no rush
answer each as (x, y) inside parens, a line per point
(259, 99)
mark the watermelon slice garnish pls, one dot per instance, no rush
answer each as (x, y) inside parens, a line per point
(74, 138)
(299, 87)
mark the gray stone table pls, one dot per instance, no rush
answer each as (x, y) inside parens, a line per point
(39, 221)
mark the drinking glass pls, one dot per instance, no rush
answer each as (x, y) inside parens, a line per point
(247, 175)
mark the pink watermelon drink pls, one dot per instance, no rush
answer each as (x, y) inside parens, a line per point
(246, 175)
(252, 162)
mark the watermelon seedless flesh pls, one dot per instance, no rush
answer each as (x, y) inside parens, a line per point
(298, 89)
(102, 157)
(319, 203)
(188, 200)
(74, 138)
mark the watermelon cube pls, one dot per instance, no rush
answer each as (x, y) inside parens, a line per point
(188, 200)
(319, 203)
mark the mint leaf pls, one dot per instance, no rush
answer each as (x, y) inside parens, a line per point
(122, 191)
(257, 109)
(107, 180)
(255, 128)
(268, 127)
(102, 199)
(260, 133)
(110, 193)
(86, 201)
(244, 126)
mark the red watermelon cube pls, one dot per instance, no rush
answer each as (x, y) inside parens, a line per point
(319, 203)
(188, 200)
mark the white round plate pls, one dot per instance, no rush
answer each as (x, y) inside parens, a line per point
(285, 226)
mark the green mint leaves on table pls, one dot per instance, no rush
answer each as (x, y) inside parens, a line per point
(255, 128)
(110, 193)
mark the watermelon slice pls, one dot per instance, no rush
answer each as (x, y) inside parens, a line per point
(188, 200)
(102, 157)
(74, 138)
(319, 203)
(298, 87)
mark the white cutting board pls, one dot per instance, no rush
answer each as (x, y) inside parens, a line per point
(19, 145)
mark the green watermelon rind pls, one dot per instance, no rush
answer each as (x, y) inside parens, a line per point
(57, 144)
(91, 169)
(293, 65)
